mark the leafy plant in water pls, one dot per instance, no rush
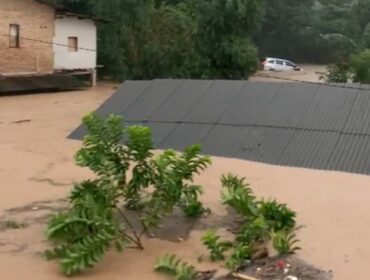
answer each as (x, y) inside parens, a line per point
(238, 195)
(337, 73)
(190, 203)
(95, 221)
(285, 242)
(171, 265)
(241, 253)
(277, 215)
(360, 65)
(256, 230)
(260, 218)
(84, 233)
(216, 247)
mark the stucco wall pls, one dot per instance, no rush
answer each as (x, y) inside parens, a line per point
(85, 31)
(36, 22)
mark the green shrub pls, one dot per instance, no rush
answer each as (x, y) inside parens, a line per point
(241, 253)
(238, 195)
(284, 242)
(95, 221)
(262, 221)
(253, 231)
(216, 247)
(277, 215)
(337, 73)
(360, 63)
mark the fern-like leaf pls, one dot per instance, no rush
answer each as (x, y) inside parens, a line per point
(278, 215)
(238, 195)
(170, 264)
(216, 247)
(285, 242)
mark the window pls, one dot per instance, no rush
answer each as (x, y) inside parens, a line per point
(288, 63)
(279, 62)
(14, 36)
(72, 44)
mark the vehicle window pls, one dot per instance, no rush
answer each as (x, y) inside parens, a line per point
(288, 63)
(279, 62)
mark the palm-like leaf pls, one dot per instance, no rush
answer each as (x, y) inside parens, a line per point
(171, 265)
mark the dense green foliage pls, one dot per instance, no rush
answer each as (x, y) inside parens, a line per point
(315, 30)
(284, 242)
(216, 247)
(277, 215)
(360, 64)
(261, 221)
(337, 73)
(217, 38)
(169, 39)
(127, 173)
(357, 70)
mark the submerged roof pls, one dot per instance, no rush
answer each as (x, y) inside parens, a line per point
(38, 83)
(292, 124)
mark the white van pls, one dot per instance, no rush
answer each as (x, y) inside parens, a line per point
(278, 64)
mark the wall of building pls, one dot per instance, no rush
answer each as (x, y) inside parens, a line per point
(85, 31)
(36, 22)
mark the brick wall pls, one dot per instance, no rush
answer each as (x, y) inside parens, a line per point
(36, 22)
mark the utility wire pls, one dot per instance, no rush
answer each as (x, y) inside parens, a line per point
(51, 43)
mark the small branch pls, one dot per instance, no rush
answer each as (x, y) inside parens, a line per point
(132, 247)
(129, 237)
(137, 239)
(145, 228)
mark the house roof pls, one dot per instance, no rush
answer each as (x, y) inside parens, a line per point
(62, 10)
(49, 3)
(38, 83)
(292, 124)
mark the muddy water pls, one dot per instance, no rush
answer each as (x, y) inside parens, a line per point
(37, 166)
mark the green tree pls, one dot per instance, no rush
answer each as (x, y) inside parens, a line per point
(147, 39)
(224, 38)
(315, 30)
(285, 29)
(360, 64)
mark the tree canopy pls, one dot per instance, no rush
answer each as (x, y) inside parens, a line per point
(147, 39)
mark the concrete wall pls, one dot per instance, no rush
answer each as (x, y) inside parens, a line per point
(36, 22)
(85, 31)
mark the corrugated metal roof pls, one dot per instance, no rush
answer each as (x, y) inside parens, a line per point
(294, 124)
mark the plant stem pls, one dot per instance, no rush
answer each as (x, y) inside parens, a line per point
(145, 228)
(137, 238)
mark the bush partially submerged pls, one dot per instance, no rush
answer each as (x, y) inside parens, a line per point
(262, 221)
(357, 70)
(127, 173)
(337, 73)
(360, 64)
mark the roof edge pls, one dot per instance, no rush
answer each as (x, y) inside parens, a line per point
(60, 9)
(67, 12)
(52, 5)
